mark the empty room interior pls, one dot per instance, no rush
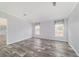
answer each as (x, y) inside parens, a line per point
(39, 29)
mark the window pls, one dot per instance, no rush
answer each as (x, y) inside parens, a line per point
(37, 29)
(59, 28)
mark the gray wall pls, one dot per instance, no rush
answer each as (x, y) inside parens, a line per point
(18, 29)
(47, 30)
(73, 29)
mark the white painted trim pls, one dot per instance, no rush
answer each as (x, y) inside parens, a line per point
(48, 39)
(73, 48)
(7, 33)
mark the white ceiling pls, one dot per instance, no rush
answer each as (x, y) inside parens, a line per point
(38, 11)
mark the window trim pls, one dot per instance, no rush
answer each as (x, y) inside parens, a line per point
(59, 22)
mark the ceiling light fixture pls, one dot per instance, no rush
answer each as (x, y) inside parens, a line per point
(25, 14)
(54, 3)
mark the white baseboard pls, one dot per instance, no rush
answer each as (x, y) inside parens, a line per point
(19, 40)
(48, 39)
(73, 48)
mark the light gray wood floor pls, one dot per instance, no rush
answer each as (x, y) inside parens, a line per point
(38, 48)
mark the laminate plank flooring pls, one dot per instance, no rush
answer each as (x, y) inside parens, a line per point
(35, 47)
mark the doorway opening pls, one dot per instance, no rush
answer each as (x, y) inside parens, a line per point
(3, 32)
